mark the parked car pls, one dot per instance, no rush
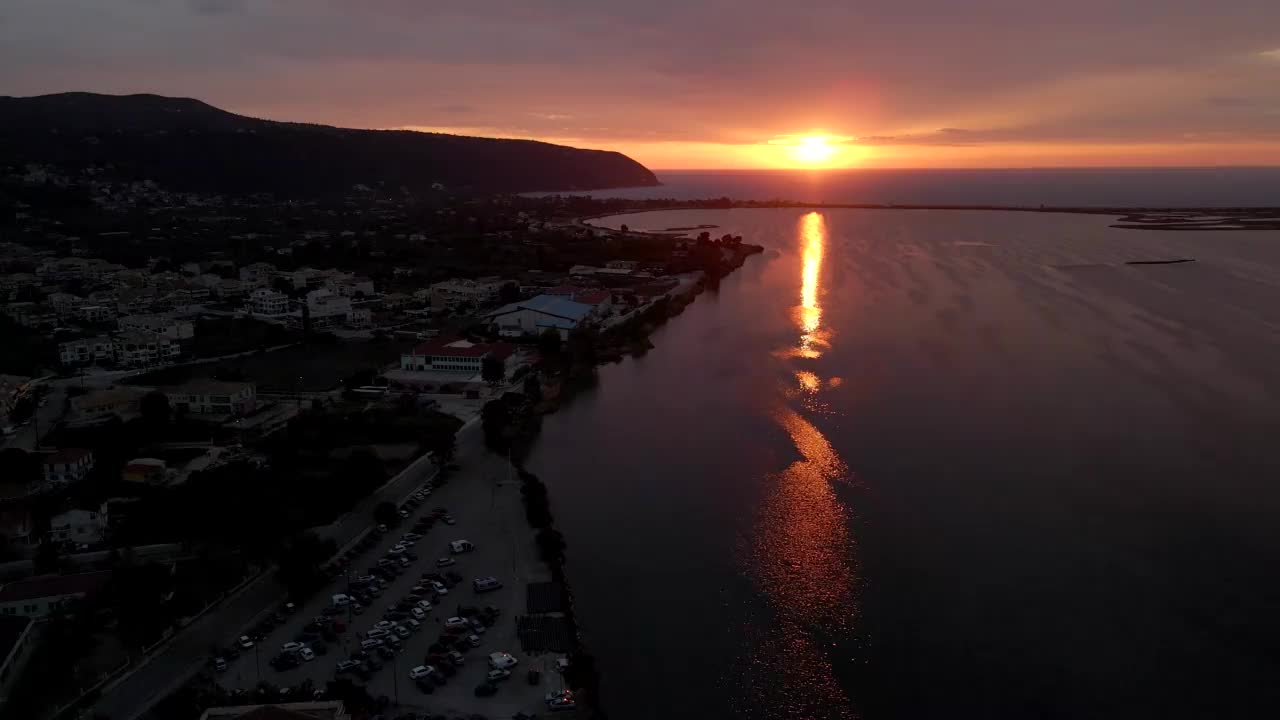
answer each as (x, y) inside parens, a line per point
(291, 647)
(557, 701)
(502, 660)
(477, 626)
(455, 657)
(424, 605)
(420, 671)
(426, 685)
(347, 666)
(219, 664)
(487, 583)
(417, 613)
(245, 642)
(457, 624)
(306, 654)
(412, 624)
(473, 640)
(498, 675)
(486, 689)
(445, 562)
(401, 631)
(377, 633)
(439, 588)
(458, 547)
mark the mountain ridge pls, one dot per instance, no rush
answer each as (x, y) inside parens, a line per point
(189, 144)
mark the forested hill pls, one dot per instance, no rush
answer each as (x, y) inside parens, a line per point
(185, 144)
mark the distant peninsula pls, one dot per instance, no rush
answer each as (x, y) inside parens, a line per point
(188, 145)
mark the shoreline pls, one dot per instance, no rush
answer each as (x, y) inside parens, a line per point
(1234, 219)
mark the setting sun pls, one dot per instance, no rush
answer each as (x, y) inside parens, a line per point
(813, 150)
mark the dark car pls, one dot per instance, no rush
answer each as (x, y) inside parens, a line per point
(387, 653)
(374, 664)
(362, 672)
(425, 685)
(448, 669)
(487, 689)
(329, 635)
(319, 648)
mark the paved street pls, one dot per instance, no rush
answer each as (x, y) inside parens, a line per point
(489, 513)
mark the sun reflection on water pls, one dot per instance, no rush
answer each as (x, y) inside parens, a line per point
(813, 235)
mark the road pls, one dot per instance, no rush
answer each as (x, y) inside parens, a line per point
(486, 502)
(184, 656)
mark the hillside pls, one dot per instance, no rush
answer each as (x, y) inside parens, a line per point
(185, 144)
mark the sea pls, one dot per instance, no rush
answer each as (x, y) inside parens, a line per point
(938, 463)
(1070, 187)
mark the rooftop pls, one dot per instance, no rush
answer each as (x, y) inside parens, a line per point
(67, 455)
(548, 305)
(53, 586)
(208, 387)
(458, 347)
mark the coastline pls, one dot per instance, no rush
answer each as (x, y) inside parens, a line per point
(1126, 218)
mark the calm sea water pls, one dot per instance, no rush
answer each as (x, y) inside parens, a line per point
(925, 464)
(1111, 187)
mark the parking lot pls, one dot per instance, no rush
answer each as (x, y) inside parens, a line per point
(483, 499)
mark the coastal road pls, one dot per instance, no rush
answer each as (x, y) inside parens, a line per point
(187, 652)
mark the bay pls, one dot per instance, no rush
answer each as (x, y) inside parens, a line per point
(927, 463)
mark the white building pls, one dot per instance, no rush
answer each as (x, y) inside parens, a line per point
(360, 318)
(257, 275)
(139, 349)
(214, 398)
(86, 351)
(535, 315)
(452, 293)
(79, 526)
(96, 313)
(67, 466)
(100, 405)
(349, 285)
(453, 356)
(160, 324)
(264, 301)
(38, 596)
(324, 309)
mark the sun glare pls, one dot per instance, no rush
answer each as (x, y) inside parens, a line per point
(813, 150)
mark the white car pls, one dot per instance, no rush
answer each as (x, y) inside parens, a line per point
(485, 584)
(413, 625)
(425, 605)
(502, 661)
(411, 537)
(244, 642)
(457, 623)
(439, 587)
(291, 647)
(307, 654)
(397, 549)
(376, 633)
(498, 675)
(445, 562)
(384, 624)
(417, 613)
(562, 700)
(460, 546)
(420, 672)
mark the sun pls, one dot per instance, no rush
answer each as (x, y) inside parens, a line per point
(813, 150)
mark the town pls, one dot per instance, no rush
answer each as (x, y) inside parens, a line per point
(213, 406)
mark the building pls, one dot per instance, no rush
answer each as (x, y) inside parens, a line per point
(67, 466)
(350, 285)
(264, 301)
(140, 349)
(601, 301)
(325, 310)
(160, 324)
(16, 640)
(86, 351)
(453, 356)
(31, 315)
(38, 596)
(452, 293)
(535, 315)
(258, 274)
(82, 527)
(210, 397)
(101, 405)
(151, 471)
(326, 710)
(360, 318)
(96, 313)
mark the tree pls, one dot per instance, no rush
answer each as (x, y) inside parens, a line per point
(300, 560)
(549, 343)
(495, 416)
(385, 513)
(154, 408)
(624, 228)
(19, 466)
(533, 388)
(22, 410)
(508, 293)
(492, 369)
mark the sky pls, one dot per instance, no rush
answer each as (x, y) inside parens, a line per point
(705, 84)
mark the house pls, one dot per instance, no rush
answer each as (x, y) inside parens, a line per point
(350, 285)
(271, 303)
(160, 324)
(316, 710)
(36, 316)
(140, 349)
(258, 274)
(96, 313)
(86, 351)
(453, 355)
(100, 405)
(38, 596)
(323, 309)
(17, 638)
(67, 465)
(360, 318)
(452, 293)
(151, 471)
(213, 397)
(537, 314)
(80, 526)
(601, 301)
